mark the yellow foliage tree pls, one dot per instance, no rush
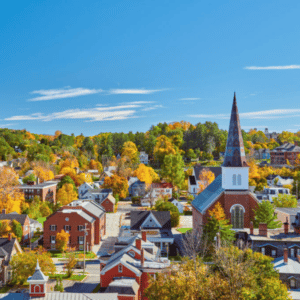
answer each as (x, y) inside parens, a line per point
(69, 163)
(62, 240)
(11, 198)
(145, 174)
(82, 178)
(163, 147)
(206, 177)
(96, 165)
(66, 194)
(130, 150)
(118, 184)
(43, 173)
(217, 212)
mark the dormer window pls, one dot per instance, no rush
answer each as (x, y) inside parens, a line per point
(293, 283)
(239, 179)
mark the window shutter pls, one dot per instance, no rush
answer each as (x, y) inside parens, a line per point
(49, 227)
(55, 227)
(78, 228)
(70, 227)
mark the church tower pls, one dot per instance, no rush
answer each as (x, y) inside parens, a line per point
(235, 170)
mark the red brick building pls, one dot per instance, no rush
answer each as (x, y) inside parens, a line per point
(127, 271)
(109, 203)
(231, 188)
(22, 219)
(46, 191)
(76, 219)
(284, 153)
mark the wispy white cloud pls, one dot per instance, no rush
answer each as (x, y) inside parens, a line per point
(189, 98)
(62, 93)
(133, 91)
(273, 67)
(152, 107)
(120, 112)
(138, 102)
(265, 114)
(7, 125)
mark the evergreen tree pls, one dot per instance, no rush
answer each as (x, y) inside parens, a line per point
(265, 214)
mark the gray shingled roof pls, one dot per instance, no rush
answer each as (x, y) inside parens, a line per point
(3, 253)
(209, 195)
(93, 208)
(14, 216)
(287, 147)
(138, 217)
(38, 274)
(123, 287)
(7, 246)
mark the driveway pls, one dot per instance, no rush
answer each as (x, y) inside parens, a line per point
(87, 286)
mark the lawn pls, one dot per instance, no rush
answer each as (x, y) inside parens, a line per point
(183, 230)
(74, 277)
(5, 289)
(41, 220)
(78, 254)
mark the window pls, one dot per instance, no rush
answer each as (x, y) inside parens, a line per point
(67, 227)
(53, 227)
(263, 250)
(37, 289)
(234, 179)
(81, 240)
(239, 179)
(273, 252)
(52, 239)
(237, 217)
(292, 252)
(293, 283)
(80, 227)
(120, 268)
(67, 219)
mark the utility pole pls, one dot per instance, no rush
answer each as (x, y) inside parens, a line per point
(85, 234)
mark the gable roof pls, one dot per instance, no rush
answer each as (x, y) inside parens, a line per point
(79, 212)
(21, 218)
(91, 206)
(287, 147)
(292, 267)
(203, 201)
(8, 246)
(138, 218)
(3, 253)
(162, 185)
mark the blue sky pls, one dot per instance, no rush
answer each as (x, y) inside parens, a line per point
(98, 66)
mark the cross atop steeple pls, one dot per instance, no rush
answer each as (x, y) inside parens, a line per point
(235, 153)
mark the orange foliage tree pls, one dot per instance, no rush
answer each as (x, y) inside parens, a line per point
(62, 240)
(118, 184)
(206, 177)
(43, 173)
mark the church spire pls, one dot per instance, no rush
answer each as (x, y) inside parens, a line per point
(235, 153)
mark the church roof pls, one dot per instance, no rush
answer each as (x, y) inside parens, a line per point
(38, 274)
(204, 200)
(235, 153)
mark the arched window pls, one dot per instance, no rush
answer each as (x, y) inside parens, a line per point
(234, 179)
(37, 289)
(239, 179)
(237, 216)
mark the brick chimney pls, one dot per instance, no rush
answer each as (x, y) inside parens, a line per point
(144, 236)
(138, 244)
(296, 143)
(142, 257)
(9, 236)
(37, 180)
(286, 226)
(263, 229)
(251, 228)
(285, 255)
(4, 211)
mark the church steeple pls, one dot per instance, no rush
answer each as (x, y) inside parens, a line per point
(235, 153)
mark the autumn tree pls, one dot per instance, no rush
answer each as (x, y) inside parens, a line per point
(206, 177)
(162, 148)
(284, 200)
(66, 194)
(23, 264)
(130, 150)
(62, 240)
(11, 198)
(265, 213)
(96, 165)
(43, 173)
(146, 174)
(118, 184)
(235, 274)
(70, 264)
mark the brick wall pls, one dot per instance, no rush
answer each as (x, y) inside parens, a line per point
(59, 219)
(26, 230)
(108, 205)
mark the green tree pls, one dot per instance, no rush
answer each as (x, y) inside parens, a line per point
(265, 213)
(30, 177)
(66, 179)
(70, 264)
(284, 200)
(17, 229)
(172, 169)
(161, 205)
